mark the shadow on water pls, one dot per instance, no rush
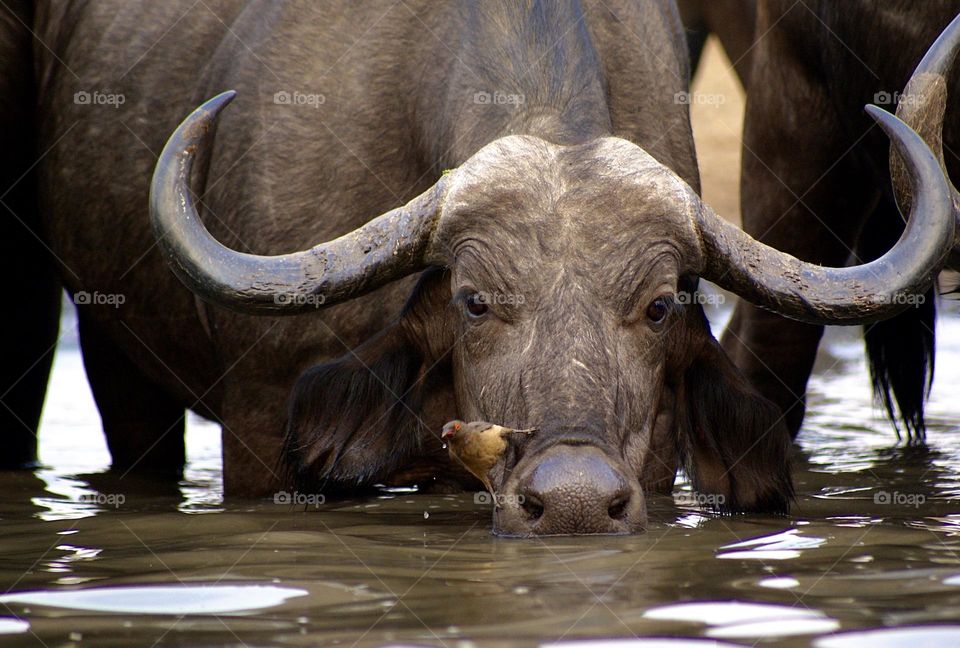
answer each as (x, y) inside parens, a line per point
(868, 555)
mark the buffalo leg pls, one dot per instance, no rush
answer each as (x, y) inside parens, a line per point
(30, 337)
(143, 424)
(252, 434)
(697, 31)
(32, 292)
(801, 193)
(731, 20)
(32, 323)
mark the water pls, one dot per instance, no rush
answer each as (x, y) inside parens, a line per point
(871, 553)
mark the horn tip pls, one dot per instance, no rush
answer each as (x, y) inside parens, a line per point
(889, 122)
(217, 102)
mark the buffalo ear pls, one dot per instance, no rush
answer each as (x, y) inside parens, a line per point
(353, 421)
(734, 443)
(356, 420)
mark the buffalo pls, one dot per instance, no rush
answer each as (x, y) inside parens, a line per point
(502, 199)
(732, 21)
(813, 65)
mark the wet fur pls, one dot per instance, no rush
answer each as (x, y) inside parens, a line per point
(733, 442)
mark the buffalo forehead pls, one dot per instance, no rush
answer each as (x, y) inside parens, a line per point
(607, 180)
(521, 195)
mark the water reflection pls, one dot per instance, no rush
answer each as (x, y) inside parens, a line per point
(171, 600)
(933, 636)
(873, 542)
(778, 546)
(728, 620)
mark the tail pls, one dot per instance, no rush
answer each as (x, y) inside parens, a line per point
(901, 353)
(901, 350)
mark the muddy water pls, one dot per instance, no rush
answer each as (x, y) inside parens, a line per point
(870, 552)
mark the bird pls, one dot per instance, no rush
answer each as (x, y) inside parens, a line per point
(478, 445)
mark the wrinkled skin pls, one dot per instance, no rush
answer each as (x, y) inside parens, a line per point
(585, 216)
(567, 343)
(817, 64)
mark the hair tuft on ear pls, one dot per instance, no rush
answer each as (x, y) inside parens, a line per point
(354, 420)
(734, 443)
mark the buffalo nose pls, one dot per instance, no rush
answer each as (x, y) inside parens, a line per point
(571, 490)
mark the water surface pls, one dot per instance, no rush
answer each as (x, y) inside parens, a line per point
(868, 557)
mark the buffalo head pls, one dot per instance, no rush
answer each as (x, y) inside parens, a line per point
(559, 294)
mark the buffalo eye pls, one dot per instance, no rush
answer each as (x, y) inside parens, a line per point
(475, 304)
(658, 310)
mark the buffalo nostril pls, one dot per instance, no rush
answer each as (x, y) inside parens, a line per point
(571, 489)
(617, 510)
(532, 507)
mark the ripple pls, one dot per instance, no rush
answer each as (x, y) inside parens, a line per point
(894, 638)
(162, 599)
(13, 626)
(735, 619)
(639, 642)
(779, 546)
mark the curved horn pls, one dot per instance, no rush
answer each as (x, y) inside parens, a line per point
(385, 249)
(854, 295)
(922, 106)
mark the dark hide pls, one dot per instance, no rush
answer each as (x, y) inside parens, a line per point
(817, 65)
(571, 204)
(731, 21)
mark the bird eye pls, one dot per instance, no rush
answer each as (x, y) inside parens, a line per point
(475, 304)
(658, 310)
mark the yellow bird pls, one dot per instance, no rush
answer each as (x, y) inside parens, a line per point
(478, 445)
